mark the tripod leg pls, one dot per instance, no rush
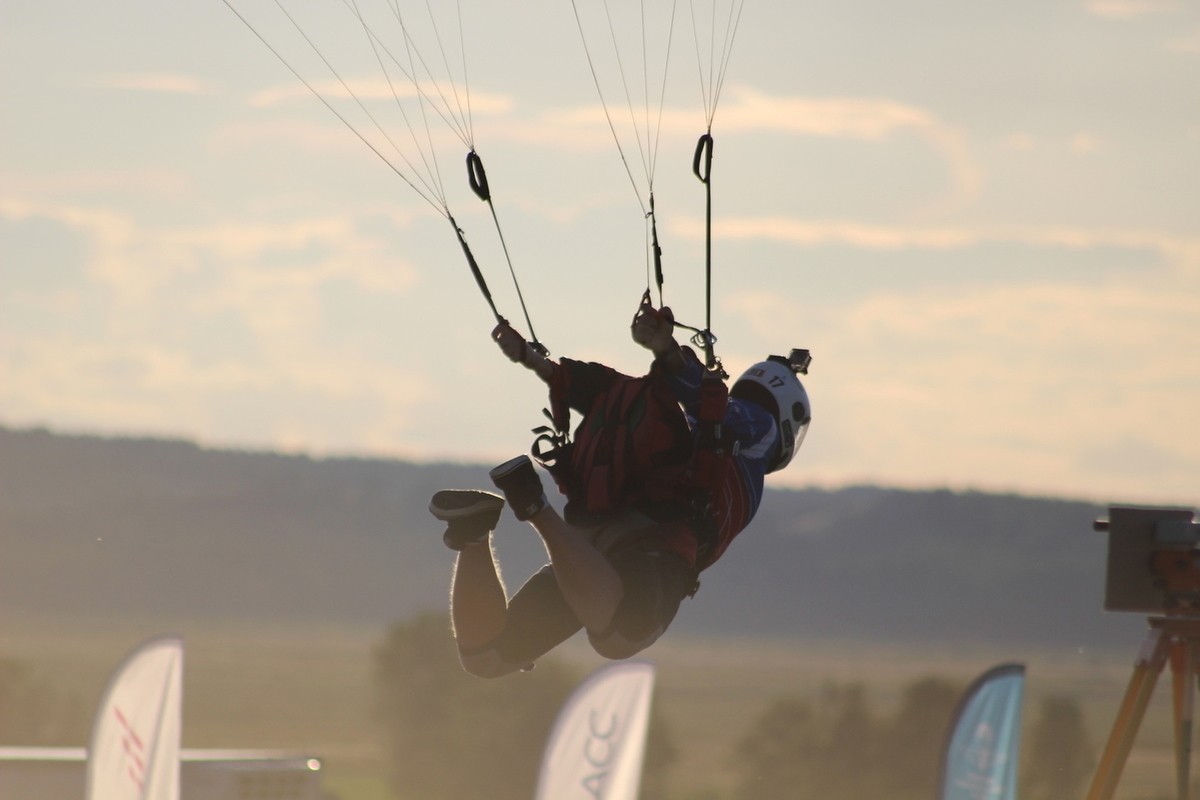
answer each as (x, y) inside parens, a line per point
(1183, 667)
(1149, 664)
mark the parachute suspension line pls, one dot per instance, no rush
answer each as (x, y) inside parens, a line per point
(604, 105)
(462, 124)
(444, 111)
(434, 183)
(712, 36)
(637, 133)
(436, 187)
(464, 127)
(646, 123)
(411, 49)
(662, 95)
(727, 50)
(477, 177)
(458, 101)
(655, 249)
(437, 201)
(712, 82)
(462, 49)
(430, 160)
(431, 188)
(646, 92)
(476, 174)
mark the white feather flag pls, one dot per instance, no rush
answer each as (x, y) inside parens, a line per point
(595, 751)
(134, 751)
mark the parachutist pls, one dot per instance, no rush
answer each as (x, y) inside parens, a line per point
(662, 473)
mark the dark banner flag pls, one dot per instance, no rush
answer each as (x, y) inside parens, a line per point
(983, 745)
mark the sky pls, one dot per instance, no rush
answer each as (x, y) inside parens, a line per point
(982, 219)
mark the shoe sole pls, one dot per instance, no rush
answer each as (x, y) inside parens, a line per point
(486, 502)
(502, 471)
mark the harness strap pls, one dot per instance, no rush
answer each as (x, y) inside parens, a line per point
(711, 447)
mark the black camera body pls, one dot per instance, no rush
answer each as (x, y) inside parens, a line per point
(798, 361)
(1153, 560)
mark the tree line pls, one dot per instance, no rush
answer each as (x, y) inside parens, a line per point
(450, 735)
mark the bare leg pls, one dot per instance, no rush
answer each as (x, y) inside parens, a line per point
(478, 602)
(590, 585)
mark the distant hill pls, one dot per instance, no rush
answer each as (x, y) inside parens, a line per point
(129, 527)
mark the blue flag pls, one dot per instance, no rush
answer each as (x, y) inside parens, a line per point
(980, 761)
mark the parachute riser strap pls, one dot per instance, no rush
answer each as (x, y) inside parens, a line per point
(704, 153)
(483, 287)
(477, 178)
(656, 250)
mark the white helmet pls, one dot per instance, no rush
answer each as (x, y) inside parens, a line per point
(773, 385)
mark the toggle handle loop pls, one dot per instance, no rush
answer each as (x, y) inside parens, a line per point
(478, 177)
(703, 151)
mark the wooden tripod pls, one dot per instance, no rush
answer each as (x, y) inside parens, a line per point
(1174, 639)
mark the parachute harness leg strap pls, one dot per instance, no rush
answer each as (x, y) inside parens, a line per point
(477, 177)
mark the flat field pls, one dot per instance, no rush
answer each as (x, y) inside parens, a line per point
(309, 688)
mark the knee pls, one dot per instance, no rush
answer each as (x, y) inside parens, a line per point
(616, 647)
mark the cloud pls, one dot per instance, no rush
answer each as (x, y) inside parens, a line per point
(1183, 251)
(1021, 141)
(746, 110)
(1019, 387)
(137, 264)
(1120, 456)
(141, 181)
(1085, 143)
(867, 119)
(1129, 9)
(155, 82)
(443, 96)
(872, 119)
(410, 159)
(586, 128)
(564, 213)
(142, 386)
(275, 133)
(132, 345)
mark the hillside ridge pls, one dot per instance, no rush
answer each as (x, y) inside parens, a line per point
(92, 526)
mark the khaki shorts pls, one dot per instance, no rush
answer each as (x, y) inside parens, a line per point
(655, 581)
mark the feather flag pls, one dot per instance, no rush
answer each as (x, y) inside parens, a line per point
(982, 749)
(595, 750)
(134, 749)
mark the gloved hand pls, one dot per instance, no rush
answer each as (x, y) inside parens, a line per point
(511, 343)
(654, 328)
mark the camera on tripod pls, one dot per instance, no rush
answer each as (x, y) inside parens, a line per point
(1153, 561)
